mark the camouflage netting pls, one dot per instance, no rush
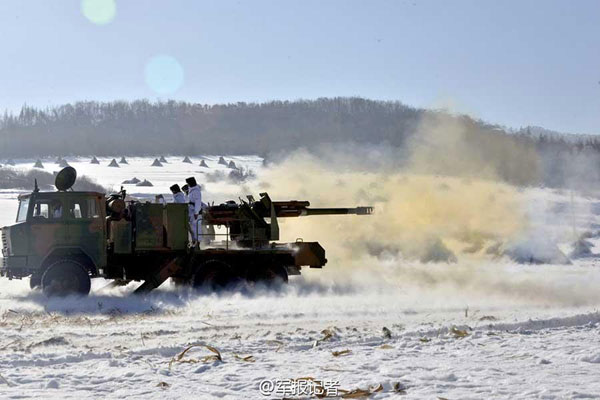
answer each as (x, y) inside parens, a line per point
(234, 176)
(535, 250)
(581, 248)
(131, 181)
(144, 183)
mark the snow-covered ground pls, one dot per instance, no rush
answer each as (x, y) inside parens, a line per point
(482, 327)
(174, 171)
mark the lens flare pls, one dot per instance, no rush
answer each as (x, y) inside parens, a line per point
(100, 12)
(164, 74)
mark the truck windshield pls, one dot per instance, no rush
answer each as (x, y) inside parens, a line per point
(23, 208)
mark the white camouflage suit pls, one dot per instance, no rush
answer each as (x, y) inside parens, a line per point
(179, 197)
(195, 201)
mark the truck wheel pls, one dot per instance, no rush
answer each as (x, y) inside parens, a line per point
(65, 277)
(270, 276)
(214, 275)
(35, 281)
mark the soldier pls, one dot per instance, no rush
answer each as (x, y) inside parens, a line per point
(186, 191)
(178, 196)
(56, 209)
(195, 201)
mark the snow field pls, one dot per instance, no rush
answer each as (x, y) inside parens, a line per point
(478, 328)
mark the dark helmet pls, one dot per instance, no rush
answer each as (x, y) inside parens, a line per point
(185, 188)
(191, 181)
(175, 189)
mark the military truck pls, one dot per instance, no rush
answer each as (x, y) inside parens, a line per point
(62, 239)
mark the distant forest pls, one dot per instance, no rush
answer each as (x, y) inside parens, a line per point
(145, 128)
(142, 127)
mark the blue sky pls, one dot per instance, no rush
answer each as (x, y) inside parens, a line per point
(509, 62)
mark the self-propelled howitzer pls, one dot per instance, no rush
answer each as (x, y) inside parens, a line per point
(63, 239)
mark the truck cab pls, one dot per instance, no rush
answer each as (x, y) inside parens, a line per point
(52, 227)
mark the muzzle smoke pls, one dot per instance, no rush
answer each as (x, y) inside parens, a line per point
(441, 220)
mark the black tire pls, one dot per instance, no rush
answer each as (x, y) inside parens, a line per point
(214, 275)
(66, 277)
(35, 281)
(271, 276)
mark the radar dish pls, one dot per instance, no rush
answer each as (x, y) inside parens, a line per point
(65, 179)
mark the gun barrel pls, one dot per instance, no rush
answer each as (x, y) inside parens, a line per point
(297, 212)
(337, 211)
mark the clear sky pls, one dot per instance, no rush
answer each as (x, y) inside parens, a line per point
(510, 62)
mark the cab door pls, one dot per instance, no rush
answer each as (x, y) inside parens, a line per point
(86, 227)
(48, 230)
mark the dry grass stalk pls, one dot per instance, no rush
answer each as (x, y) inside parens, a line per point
(213, 357)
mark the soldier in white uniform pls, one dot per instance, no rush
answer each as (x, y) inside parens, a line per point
(195, 201)
(186, 191)
(178, 196)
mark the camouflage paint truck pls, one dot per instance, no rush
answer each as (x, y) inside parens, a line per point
(62, 239)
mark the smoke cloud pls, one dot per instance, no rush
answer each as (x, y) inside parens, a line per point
(444, 214)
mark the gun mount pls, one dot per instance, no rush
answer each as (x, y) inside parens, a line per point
(254, 223)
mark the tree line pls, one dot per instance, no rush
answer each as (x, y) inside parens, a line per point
(143, 128)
